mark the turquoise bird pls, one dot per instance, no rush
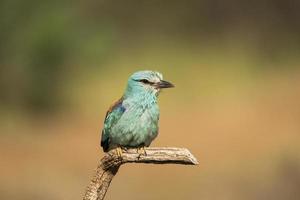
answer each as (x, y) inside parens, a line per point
(132, 122)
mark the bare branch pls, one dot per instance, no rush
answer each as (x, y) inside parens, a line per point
(110, 163)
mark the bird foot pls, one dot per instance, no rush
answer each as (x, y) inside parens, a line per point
(141, 151)
(119, 152)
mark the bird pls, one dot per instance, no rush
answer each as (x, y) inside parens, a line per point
(132, 121)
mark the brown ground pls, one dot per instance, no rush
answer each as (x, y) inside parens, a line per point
(248, 145)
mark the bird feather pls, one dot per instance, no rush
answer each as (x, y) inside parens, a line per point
(113, 115)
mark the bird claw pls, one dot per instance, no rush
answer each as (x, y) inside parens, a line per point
(141, 151)
(119, 152)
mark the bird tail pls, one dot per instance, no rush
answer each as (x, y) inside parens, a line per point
(104, 142)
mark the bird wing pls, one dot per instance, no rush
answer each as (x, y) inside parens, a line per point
(113, 115)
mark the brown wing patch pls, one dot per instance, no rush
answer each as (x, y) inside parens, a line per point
(113, 106)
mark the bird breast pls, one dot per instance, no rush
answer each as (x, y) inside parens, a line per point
(137, 126)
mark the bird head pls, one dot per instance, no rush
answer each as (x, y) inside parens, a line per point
(146, 82)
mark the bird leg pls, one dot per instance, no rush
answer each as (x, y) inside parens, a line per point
(119, 152)
(141, 151)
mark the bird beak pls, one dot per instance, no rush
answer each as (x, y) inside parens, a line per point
(164, 84)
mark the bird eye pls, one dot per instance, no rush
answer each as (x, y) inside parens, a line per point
(145, 81)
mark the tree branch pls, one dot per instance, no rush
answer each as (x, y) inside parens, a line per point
(110, 163)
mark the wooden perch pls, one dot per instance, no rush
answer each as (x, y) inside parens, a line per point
(110, 163)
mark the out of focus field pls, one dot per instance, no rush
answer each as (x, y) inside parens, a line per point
(236, 104)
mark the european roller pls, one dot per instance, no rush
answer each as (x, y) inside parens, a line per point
(132, 122)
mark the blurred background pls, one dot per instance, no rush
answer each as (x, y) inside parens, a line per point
(236, 105)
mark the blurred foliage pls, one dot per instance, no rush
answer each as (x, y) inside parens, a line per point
(44, 42)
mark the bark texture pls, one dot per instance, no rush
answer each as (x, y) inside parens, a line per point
(110, 163)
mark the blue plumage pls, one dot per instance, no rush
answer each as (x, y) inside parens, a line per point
(133, 120)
